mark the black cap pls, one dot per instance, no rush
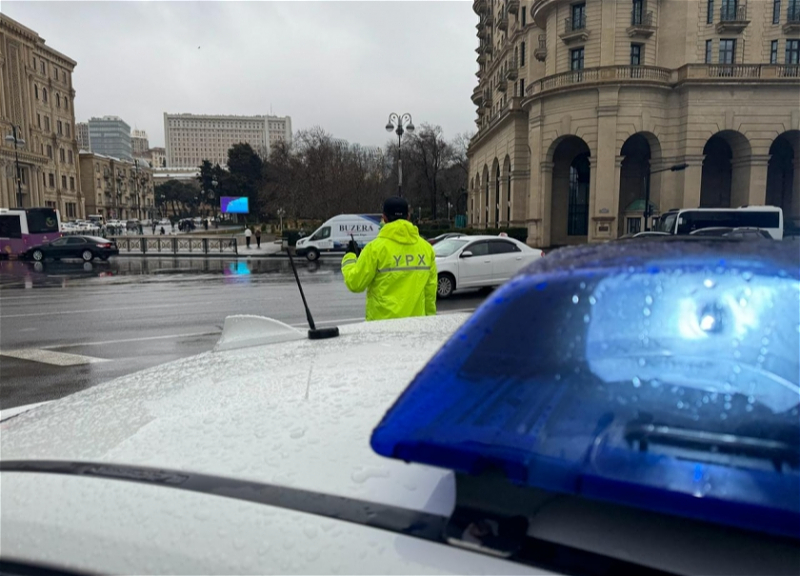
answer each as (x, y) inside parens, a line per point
(395, 208)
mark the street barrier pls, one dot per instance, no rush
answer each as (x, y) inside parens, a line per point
(176, 244)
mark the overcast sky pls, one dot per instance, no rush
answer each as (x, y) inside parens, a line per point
(340, 65)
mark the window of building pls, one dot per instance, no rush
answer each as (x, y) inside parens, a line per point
(41, 66)
(38, 120)
(52, 180)
(638, 12)
(709, 49)
(579, 16)
(72, 183)
(63, 182)
(576, 59)
(793, 15)
(793, 52)
(68, 130)
(62, 155)
(60, 128)
(36, 91)
(522, 54)
(70, 157)
(776, 11)
(34, 63)
(710, 12)
(521, 87)
(58, 100)
(524, 15)
(727, 51)
(49, 151)
(636, 54)
(55, 72)
(44, 95)
(729, 9)
(578, 210)
(66, 103)
(773, 52)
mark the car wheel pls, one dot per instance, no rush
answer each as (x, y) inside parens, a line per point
(37, 255)
(87, 255)
(445, 286)
(312, 254)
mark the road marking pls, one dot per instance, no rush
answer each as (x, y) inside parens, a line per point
(124, 340)
(50, 357)
(116, 309)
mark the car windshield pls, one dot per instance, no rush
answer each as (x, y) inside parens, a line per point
(448, 246)
(667, 223)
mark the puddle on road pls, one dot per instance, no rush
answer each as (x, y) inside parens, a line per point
(131, 270)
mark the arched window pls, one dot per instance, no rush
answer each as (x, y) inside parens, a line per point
(44, 95)
(497, 195)
(508, 195)
(58, 100)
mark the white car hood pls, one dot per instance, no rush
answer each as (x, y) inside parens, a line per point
(296, 414)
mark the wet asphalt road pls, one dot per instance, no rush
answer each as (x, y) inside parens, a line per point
(118, 317)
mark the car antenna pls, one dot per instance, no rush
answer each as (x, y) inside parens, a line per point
(314, 333)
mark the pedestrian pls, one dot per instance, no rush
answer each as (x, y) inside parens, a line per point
(141, 229)
(205, 224)
(258, 237)
(397, 269)
(247, 234)
(162, 231)
(154, 228)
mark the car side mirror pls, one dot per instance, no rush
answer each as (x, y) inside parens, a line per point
(466, 254)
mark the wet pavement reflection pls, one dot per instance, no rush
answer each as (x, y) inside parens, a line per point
(132, 270)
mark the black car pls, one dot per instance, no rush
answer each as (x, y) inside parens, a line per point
(85, 247)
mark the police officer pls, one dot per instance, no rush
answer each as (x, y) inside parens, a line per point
(397, 269)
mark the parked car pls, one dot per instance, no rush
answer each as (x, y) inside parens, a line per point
(85, 247)
(445, 236)
(546, 436)
(744, 233)
(479, 261)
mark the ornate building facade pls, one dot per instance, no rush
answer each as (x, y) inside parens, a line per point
(585, 108)
(38, 149)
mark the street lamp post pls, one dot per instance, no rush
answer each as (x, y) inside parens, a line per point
(400, 125)
(18, 141)
(281, 214)
(674, 168)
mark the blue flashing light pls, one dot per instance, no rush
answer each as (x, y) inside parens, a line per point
(659, 375)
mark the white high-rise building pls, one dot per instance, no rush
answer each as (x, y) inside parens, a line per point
(191, 138)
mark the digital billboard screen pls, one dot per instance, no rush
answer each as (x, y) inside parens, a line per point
(234, 205)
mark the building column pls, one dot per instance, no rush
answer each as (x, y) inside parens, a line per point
(794, 204)
(692, 179)
(605, 171)
(537, 198)
(545, 203)
(757, 193)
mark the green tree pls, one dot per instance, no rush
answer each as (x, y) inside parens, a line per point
(245, 175)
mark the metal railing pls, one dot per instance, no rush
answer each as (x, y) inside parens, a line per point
(642, 19)
(574, 24)
(176, 244)
(542, 41)
(733, 13)
(793, 16)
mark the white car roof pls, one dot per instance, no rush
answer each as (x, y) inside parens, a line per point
(296, 414)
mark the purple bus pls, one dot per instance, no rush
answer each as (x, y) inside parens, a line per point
(24, 228)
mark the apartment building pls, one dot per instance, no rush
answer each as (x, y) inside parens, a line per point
(192, 138)
(38, 149)
(115, 188)
(587, 108)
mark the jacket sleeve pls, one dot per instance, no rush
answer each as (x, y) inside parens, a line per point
(359, 271)
(430, 287)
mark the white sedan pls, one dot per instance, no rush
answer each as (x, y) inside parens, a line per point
(480, 261)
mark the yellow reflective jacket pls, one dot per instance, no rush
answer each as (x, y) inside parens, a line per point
(398, 271)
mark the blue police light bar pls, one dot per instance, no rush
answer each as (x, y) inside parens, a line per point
(660, 374)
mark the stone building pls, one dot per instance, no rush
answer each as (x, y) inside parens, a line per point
(585, 108)
(115, 188)
(37, 103)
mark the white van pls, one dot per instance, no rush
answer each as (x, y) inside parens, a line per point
(334, 235)
(688, 220)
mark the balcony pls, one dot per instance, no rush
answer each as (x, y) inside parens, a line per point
(501, 86)
(512, 72)
(792, 22)
(487, 48)
(488, 20)
(641, 25)
(512, 6)
(575, 30)
(479, 6)
(502, 22)
(482, 32)
(487, 99)
(540, 52)
(477, 96)
(733, 18)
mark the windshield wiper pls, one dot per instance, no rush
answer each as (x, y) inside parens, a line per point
(644, 434)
